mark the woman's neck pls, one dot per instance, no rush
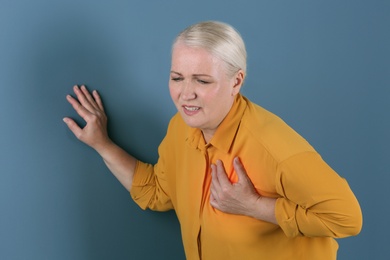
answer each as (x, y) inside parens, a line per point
(207, 136)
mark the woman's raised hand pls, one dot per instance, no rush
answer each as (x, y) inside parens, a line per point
(90, 108)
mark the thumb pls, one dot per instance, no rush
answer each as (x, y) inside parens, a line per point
(76, 130)
(240, 170)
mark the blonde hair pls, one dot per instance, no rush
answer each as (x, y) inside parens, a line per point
(220, 39)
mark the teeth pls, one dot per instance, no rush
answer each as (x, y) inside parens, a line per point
(191, 108)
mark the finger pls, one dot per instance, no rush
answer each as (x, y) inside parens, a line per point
(212, 198)
(240, 170)
(76, 130)
(221, 174)
(98, 100)
(213, 195)
(213, 202)
(84, 97)
(89, 97)
(81, 110)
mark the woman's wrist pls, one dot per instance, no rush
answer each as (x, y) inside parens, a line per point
(104, 149)
(264, 209)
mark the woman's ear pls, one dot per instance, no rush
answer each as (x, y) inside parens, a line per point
(238, 81)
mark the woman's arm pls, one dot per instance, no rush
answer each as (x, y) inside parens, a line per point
(314, 200)
(94, 134)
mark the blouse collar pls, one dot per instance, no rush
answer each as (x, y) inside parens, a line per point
(226, 131)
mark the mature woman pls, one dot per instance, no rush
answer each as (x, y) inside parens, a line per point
(244, 185)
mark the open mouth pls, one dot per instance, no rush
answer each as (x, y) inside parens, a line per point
(191, 108)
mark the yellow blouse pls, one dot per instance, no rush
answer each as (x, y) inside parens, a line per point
(314, 204)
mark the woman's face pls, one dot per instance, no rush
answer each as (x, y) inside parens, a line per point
(200, 88)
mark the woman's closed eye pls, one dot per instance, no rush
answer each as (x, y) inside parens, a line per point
(203, 81)
(176, 79)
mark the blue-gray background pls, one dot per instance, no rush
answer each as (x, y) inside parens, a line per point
(323, 66)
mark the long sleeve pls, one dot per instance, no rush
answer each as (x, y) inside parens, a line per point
(316, 201)
(150, 186)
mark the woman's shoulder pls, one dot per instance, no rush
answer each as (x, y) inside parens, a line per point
(177, 128)
(176, 122)
(273, 133)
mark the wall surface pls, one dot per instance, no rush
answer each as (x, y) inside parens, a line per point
(323, 66)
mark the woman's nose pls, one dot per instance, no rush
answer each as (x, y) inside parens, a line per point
(188, 91)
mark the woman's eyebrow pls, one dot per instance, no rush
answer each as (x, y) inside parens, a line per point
(194, 75)
(176, 72)
(202, 75)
